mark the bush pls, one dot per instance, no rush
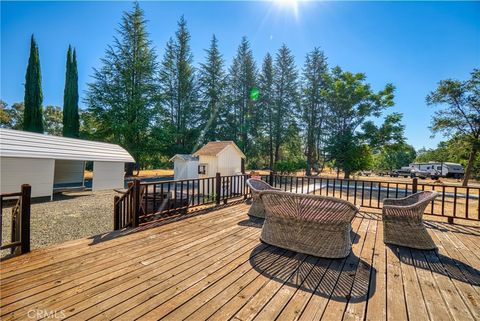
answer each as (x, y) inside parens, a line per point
(290, 166)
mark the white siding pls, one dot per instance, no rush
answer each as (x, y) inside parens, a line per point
(67, 171)
(211, 162)
(229, 161)
(108, 175)
(185, 169)
(36, 172)
(192, 169)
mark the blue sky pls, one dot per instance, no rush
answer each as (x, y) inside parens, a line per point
(411, 44)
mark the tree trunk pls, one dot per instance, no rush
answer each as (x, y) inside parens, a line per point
(277, 153)
(471, 159)
(346, 174)
(129, 169)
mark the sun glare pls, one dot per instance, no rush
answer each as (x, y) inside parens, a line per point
(291, 5)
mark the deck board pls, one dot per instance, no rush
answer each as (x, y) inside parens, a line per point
(213, 266)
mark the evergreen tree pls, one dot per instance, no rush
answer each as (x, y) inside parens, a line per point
(71, 119)
(242, 80)
(314, 109)
(124, 93)
(212, 90)
(286, 97)
(33, 121)
(266, 104)
(178, 90)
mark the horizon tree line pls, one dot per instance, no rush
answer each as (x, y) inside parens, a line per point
(282, 118)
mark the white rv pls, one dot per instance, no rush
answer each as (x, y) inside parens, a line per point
(440, 169)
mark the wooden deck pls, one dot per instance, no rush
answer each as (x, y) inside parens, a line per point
(213, 266)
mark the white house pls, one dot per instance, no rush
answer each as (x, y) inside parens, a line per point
(222, 157)
(185, 166)
(51, 162)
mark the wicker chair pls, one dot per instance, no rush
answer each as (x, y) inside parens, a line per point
(310, 224)
(256, 186)
(403, 223)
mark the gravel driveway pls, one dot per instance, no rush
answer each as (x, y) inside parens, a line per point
(69, 216)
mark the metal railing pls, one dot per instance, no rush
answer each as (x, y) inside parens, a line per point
(20, 224)
(453, 202)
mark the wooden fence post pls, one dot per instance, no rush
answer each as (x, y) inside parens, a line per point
(415, 185)
(136, 202)
(218, 188)
(25, 217)
(116, 213)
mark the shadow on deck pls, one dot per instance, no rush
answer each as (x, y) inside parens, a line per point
(214, 267)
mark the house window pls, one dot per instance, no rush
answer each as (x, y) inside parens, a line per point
(202, 169)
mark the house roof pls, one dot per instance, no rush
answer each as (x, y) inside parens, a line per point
(16, 143)
(214, 148)
(185, 157)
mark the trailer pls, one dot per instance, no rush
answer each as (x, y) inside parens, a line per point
(440, 169)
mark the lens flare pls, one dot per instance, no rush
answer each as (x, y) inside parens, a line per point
(254, 94)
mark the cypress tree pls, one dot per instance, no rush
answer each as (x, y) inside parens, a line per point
(33, 120)
(71, 121)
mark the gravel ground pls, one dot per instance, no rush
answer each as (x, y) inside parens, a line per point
(69, 216)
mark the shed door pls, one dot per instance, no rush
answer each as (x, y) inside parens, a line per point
(108, 175)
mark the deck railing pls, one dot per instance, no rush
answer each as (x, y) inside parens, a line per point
(20, 224)
(151, 201)
(453, 202)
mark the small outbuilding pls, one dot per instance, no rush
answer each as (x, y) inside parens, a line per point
(185, 166)
(222, 157)
(49, 163)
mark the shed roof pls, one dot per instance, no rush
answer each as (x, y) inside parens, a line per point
(185, 157)
(16, 143)
(214, 148)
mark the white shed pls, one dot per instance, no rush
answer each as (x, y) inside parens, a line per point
(185, 166)
(51, 162)
(222, 157)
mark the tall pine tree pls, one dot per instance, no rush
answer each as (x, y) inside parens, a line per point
(212, 85)
(124, 93)
(314, 108)
(178, 91)
(286, 102)
(266, 104)
(71, 121)
(33, 118)
(242, 80)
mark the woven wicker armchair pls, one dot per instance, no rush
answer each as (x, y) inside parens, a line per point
(403, 221)
(256, 186)
(310, 224)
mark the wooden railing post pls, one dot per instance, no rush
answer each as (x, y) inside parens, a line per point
(116, 213)
(25, 217)
(136, 203)
(415, 185)
(218, 188)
